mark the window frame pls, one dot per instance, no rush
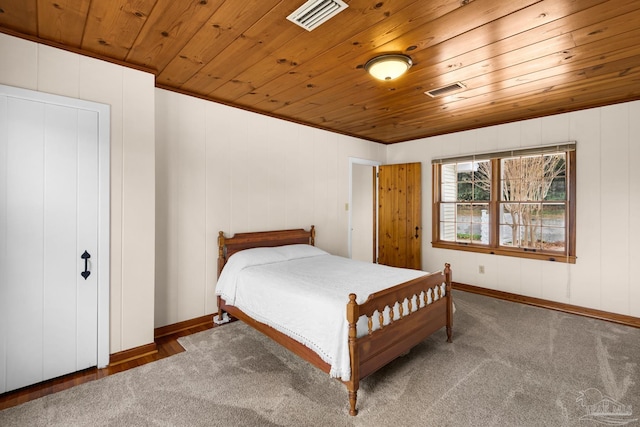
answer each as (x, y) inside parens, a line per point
(494, 248)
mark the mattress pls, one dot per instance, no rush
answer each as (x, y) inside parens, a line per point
(302, 291)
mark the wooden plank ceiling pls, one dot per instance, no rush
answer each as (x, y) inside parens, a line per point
(518, 59)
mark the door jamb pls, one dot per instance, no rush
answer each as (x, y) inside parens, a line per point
(352, 161)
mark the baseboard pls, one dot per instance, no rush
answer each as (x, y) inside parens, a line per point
(184, 325)
(132, 353)
(552, 305)
(149, 349)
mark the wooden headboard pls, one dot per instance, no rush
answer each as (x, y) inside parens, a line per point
(227, 246)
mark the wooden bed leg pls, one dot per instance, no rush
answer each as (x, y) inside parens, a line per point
(353, 384)
(220, 312)
(447, 278)
(353, 397)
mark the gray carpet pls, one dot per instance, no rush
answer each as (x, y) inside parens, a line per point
(509, 365)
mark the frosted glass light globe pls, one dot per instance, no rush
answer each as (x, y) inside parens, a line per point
(388, 67)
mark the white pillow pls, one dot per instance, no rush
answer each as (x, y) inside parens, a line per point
(299, 251)
(258, 256)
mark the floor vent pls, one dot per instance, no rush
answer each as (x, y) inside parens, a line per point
(314, 13)
(441, 91)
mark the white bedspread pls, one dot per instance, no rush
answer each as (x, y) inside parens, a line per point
(303, 291)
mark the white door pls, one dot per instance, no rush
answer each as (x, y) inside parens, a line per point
(49, 229)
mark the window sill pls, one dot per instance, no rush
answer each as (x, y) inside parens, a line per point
(518, 253)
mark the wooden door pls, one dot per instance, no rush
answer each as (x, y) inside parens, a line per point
(400, 215)
(48, 219)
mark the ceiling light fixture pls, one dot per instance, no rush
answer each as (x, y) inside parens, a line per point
(388, 67)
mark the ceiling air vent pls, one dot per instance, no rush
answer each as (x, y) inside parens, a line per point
(314, 13)
(445, 90)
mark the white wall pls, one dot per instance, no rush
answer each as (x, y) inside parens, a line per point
(220, 168)
(225, 169)
(130, 94)
(606, 275)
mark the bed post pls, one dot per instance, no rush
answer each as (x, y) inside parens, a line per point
(354, 382)
(220, 313)
(447, 279)
(221, 259)
(221, 262)
(312, 239)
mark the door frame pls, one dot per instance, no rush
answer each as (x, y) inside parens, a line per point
(104, 164)
(352, 161)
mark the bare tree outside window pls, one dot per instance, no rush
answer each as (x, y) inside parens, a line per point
(516, 203)
(533, 195)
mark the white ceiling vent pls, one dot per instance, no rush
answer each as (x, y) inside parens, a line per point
(314, 13)
(445, 90)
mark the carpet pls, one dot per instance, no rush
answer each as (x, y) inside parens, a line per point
(509, 365)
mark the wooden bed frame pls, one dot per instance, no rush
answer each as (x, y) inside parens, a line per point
(370, 352)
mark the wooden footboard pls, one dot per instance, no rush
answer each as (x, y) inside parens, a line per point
(424, 310)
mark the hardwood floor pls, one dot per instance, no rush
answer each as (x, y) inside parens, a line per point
(166, 345)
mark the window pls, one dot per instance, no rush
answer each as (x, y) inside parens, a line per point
(516, 203)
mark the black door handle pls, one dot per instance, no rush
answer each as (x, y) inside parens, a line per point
(85, 256)
(417, 228)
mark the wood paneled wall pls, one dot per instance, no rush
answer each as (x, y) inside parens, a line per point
(222, 168)
(130, 93)
(605, 276)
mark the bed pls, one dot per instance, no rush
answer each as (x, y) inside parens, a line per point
(373, 329)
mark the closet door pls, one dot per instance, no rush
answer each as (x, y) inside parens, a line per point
(49, 232)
